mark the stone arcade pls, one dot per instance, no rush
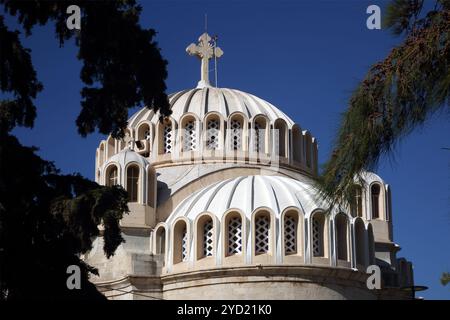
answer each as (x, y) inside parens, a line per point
(223, 207)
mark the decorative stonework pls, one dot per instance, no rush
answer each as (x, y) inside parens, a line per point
(236, 135)
(262, 226)
(235, 236)
(208, 239)
(317, 248)
(168, 138)
(190, 136)
(290, 235)
(212, 135)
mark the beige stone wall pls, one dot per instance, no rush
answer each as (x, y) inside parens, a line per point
(268, 283)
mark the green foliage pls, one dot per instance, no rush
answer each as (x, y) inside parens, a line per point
(48, 220)
(17, 77)
(397, 95)
(122, 64)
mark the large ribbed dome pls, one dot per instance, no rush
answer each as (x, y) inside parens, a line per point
(200, 101)
(248, 193)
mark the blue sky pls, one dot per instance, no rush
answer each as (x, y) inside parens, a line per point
(305, 57)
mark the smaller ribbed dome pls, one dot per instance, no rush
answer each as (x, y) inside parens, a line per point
(126, 156)
(248, 193)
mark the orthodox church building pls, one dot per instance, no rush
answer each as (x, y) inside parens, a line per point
(223, 206)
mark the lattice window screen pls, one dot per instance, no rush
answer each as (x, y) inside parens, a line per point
(235, 235)
(208, 239)
(259, 137)
(262, 226)
(236, 135)
(190, 136)
(212, 135)
(184, 246)
(168, 138)
(290, 235)
(317, 238)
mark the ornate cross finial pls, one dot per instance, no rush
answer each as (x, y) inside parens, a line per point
(205, 50)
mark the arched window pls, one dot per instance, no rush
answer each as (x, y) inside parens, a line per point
(297, 144)
(280, 126)
(205, 237)
(189, 136)
(318, 235)
(112, 176)
(167, 137)
(101, 155)
(341, 222)
(375, 198)
(133, 183)
(181, 243)
(236, 133)
(259, 141)
(144, 132)
(110, 147)
(357, 204)
(126, 141)
(262, 233)
(161, 240)
(212, 133)
(234, 234)
(360, 243)
(290, 233)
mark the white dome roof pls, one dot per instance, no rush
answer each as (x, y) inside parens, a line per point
(248, 193)
(126, 156)
(200, 101)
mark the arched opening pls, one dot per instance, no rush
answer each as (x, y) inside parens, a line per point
(281, 128)
(133, 183)
(375, 199)
(262, 227)
(357, 202)
(180, 242)
(342, 238)
(151, 187)
(259, 138)
(233, 234)
(144, 132)
(212, 134)
(112, 177)
(101, 155)
(360, 243)
(167, 137)
(189, 136)
(205, 237)
(126, 141)
(143, 139)
(297, 144)
(318, 226)
(110, 147)
(291, 237)
(236, 132)
(160, 238)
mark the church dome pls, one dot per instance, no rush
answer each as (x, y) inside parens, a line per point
(201, 101)
(247, 194)
(125, 157)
